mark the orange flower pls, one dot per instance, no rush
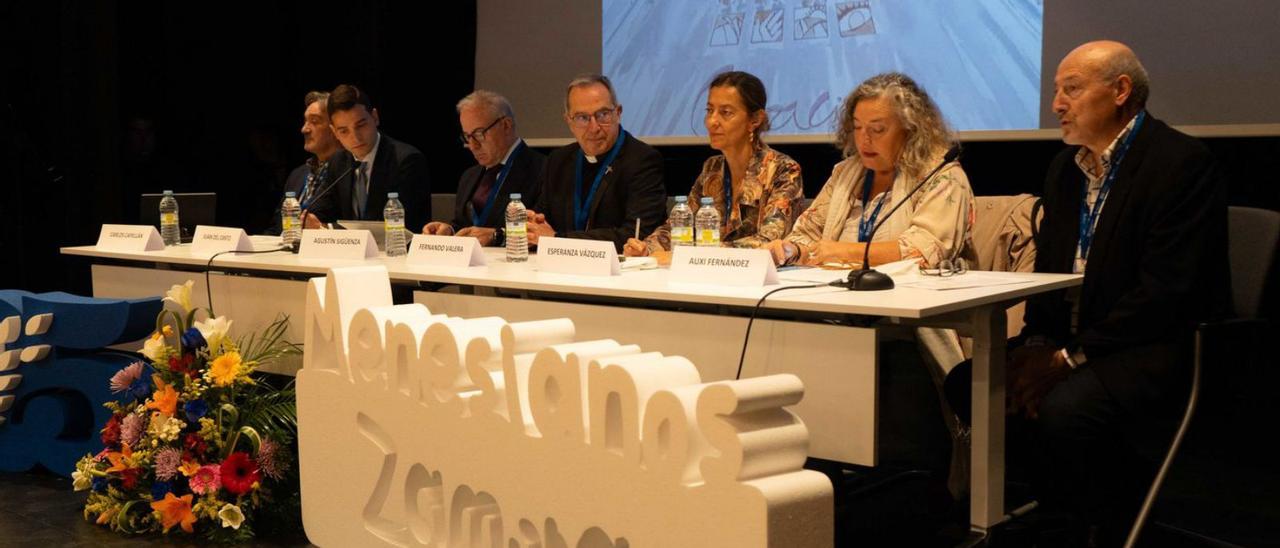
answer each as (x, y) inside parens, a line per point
(175, 511)
(164, 399)
(122, 460)
(106, 516)
(189, 468)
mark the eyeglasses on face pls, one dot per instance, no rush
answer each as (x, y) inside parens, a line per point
(478, 135)
(604, 117)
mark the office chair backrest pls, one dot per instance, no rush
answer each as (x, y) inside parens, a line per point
(1252, 237)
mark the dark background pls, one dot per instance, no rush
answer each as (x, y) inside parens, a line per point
(102, 101)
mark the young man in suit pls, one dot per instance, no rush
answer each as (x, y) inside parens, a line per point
(598, 186)
(1136, 207)
(382, 164)
(504, 165)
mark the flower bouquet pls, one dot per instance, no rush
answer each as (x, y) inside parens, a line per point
(196, 441)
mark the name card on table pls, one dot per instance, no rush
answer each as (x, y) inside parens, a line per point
(217, 239)
(348, 245)
(723, 266)
(574, 256)
(445, 251)
(129, 238)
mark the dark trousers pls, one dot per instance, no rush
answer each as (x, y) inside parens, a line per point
(1094, 449)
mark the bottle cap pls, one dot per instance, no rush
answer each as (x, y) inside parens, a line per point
(682, 199)
(168, 193)
(706, 200)
(290, 194)
(391, 195)
(515, 195)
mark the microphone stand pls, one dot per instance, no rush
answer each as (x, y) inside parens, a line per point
(867, 278)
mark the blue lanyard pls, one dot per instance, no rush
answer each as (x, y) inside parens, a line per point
(478, 219)
(728, 193)
(582, 208)
(317, 175)
(1089, 217)
(867, 224)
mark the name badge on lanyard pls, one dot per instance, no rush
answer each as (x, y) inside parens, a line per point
(581, 208)
(1089, 216)
(478, 217)
(866, 225)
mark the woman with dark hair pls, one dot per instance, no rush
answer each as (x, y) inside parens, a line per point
(757, 190)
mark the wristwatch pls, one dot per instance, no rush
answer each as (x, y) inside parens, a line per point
(500, 236)
(1074, 357)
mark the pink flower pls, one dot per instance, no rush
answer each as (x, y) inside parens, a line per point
(167, 462)
(123, 378)
(131, 428)
(269, 461)
(206, 479)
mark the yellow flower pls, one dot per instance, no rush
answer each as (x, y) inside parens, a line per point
(224, 369)
(231, 516)
(175, 511)
(189, 468)
(164, 399)
(167, 330)
(106, 515)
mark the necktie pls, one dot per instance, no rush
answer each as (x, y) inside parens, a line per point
(481, 196)
(361, 195)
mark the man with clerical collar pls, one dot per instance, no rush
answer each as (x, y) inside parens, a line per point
(1101, 374)
(312, 181)
(597, 187)
(381, 164)
(504, 165)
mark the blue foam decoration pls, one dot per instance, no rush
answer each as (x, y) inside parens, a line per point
(86, 323)
(57, 413)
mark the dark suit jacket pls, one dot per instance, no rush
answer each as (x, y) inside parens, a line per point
(632, 189)
(324, 206)
(1158, 262)
(523, 178)
(399, 167)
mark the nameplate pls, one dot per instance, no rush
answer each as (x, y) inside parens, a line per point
(217, 239)
(574, 256)
(723, 266)
(129, 238)
(456, 251)
(349, 245)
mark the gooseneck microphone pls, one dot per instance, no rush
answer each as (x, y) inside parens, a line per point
(295, 246)
(867, 278)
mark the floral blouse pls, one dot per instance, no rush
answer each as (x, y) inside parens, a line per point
(769, 201)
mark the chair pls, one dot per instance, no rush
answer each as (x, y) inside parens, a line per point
(1252, 235)
(442, 207)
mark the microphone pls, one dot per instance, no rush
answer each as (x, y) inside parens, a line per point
(295, 246)
(328, 187)
(868, 279)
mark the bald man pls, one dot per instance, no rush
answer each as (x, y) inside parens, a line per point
(1135, 206)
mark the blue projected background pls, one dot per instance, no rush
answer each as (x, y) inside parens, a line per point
(978, 59)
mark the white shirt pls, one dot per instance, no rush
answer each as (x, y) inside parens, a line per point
(368, 161)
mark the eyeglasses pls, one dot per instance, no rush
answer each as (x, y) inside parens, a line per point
(604, 117)
(946, 268)
(478, 135)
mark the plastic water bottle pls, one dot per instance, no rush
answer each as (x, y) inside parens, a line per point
(681, 219)
(708, 223)
(290, 219)
(517, 238)
(169, 231)
(393, 225)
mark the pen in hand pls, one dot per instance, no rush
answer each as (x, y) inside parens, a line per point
(637, 228)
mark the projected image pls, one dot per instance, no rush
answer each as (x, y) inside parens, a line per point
(979, 59)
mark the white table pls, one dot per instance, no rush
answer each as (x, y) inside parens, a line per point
(271, 283)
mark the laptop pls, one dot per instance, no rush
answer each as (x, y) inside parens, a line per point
(376, 228)
(194, 208)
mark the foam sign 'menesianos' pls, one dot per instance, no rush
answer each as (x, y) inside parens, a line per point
(424, 430)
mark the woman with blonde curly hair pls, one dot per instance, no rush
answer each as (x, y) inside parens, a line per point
(891, 134)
